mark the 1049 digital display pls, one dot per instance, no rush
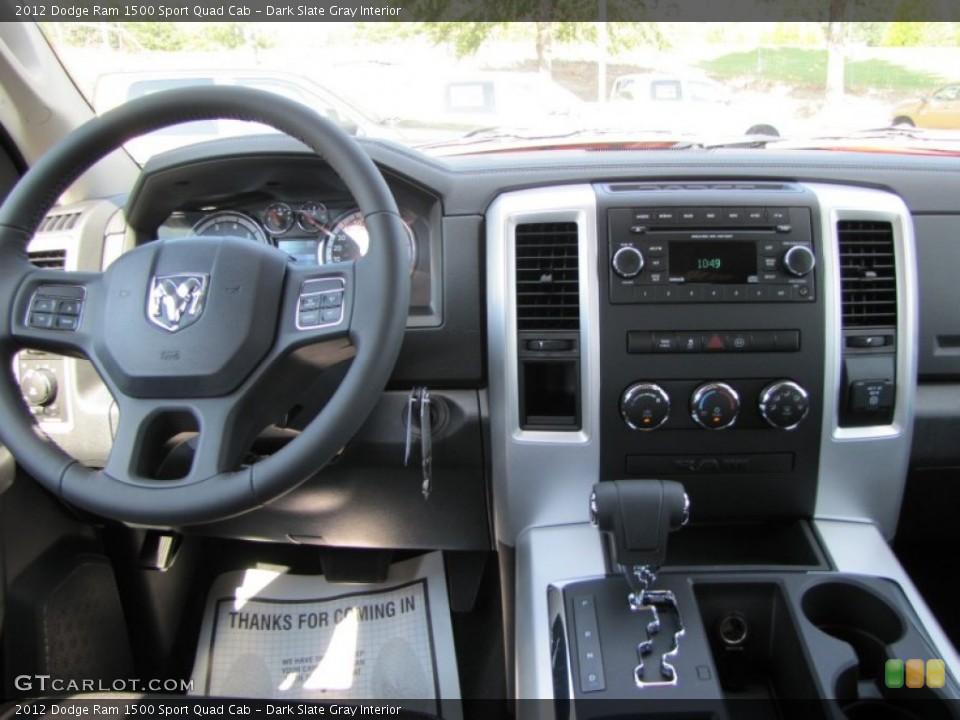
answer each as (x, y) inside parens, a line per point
(713, 262)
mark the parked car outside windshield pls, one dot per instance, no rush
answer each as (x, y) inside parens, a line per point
(450, 84)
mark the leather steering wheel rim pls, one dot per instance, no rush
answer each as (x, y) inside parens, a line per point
(376, 299)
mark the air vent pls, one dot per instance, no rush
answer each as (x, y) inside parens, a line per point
(49, 259)
(58, 222)
(548, 285)
(867, 273)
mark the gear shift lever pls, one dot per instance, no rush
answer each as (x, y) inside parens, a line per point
(635, 517)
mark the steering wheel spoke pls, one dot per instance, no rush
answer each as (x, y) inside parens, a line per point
(317, 306)
(55, 311)
(171, 441)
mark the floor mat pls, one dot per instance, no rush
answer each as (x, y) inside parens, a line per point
(267, 634)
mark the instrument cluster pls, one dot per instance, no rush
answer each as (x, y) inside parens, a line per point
(310, 231)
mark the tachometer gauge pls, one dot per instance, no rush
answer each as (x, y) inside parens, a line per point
(278, 218)
(230, 224)
(349, 239)
(313, 217)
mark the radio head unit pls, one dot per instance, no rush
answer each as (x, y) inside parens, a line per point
(711, 254)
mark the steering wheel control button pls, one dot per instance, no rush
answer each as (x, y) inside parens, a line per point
(320, 303)
(784, 404)
(56, 307)
(644, 406)
(41, 320)
(311, 302)
(44, 305)
(715, 406)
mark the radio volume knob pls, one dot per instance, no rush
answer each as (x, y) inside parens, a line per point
(644, 406)
(714, 406)
(784, 404)
(799, 260)
(627, 262)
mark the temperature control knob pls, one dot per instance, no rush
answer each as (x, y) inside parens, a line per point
(784, 404)
(39, 387)
(644, 406)
(627, 262)
(799, 260)
(715, 406)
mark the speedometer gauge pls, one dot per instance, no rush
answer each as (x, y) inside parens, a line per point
(229, 224)
(349, 240)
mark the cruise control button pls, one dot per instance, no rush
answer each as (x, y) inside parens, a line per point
(66, 322)
(310, 302)
(69, 307)
(309, 318)
(41, 320)
(332, 300)
(329, 315)
(44, 305)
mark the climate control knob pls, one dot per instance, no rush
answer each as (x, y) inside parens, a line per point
(39, 387)
(799, 261)
(784, 404)
(644, 406)
(628, 262)
(714, 406)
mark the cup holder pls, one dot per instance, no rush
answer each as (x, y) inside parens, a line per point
(859, 618)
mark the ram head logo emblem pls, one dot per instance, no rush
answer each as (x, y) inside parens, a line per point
(176, 301)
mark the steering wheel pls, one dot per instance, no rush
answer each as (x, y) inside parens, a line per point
(199, 332)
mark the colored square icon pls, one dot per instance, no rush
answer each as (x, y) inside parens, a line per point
(893, 673)
(914, 673)
(936, 674)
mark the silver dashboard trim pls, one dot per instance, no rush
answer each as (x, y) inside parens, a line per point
(540, 477)
(863, 470)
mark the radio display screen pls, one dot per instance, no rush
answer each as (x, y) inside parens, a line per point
(724, 262)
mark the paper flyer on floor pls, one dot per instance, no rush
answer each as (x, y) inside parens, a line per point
(270, 635)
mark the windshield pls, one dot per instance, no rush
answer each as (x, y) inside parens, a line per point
(469, 87)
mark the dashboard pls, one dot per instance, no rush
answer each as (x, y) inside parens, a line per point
(704, 331)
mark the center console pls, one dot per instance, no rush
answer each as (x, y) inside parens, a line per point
(754, 341)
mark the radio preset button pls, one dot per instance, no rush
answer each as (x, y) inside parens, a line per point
(712, 293)
(627, 262)
(735, 293)
(690, 293)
